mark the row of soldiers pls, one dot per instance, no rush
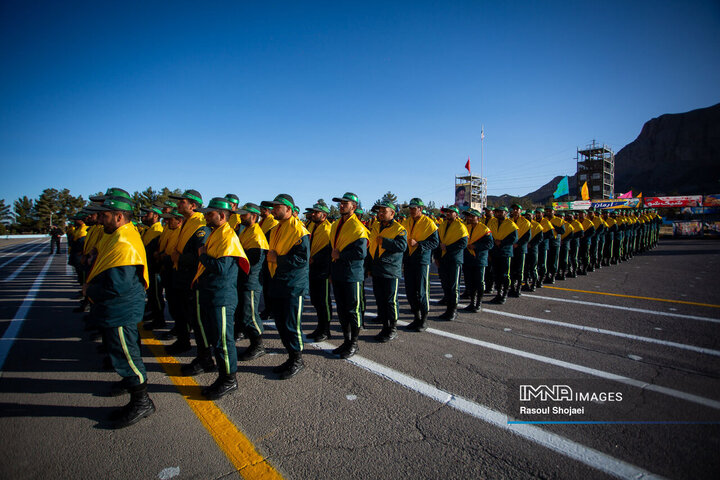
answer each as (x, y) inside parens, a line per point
(211, 265)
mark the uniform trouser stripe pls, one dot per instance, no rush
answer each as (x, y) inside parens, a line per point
(298, 327)
(427, 288)
(457, 283)
(223, 336)
(327, 298)
(199, 318)
(395, 302)
(252, 311)
(357, 304)
(121, 335)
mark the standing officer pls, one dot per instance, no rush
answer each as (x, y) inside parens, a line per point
(320, 259)
(488, 270)
(554, 237)
(287, 262)
(422, 240)
(504, 232)
(348, 239)
(249, 287)
(55, 234)
(475, 258)
(388, 242)
(116, 287)
(565, 240)
(216, 284)
(192, 236)
(453, 236)
(517, 264)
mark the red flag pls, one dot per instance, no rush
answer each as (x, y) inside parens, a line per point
(467, 165)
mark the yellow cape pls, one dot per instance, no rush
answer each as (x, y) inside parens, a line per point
(93, 237)
(287, 234)
(523, 225)
(152, 233)
(268, 223)
(451, 232)
(223, 242)
(351, 230)
(253, 237)
(506, 228)
(188, 229)
(121, 248)
(419, 230)
(475, 233)
(319, 236)
(376, 236)
(172, 240)
(80, 232)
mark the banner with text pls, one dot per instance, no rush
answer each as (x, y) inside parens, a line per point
(670, 202)
(617, 203)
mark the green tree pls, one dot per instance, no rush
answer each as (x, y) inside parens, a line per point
(5, 217)
(55, 206)
(25, 218)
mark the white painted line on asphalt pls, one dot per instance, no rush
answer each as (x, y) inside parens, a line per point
(32, 249)
(566, 447)
(708, 402)
(22, 267)
(13, 250)
(628, 309)
(8, 337)
(635, 357)
(602, 331)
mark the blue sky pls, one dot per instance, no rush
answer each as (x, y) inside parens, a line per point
(318, 98)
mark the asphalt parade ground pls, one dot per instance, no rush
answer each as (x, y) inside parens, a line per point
(437, 404)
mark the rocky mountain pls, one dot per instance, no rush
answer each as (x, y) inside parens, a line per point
(675, 154)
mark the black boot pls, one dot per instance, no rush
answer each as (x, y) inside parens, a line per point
(353, 345)
(256, 349)
(416, 321)
(203, 363)
(346, 341)
(225, 384)
(321, 333)
(450, 313)
(515, 289)
(471, 304)
(140, 406)
(422, 325)
(498, 299)
(295, 366)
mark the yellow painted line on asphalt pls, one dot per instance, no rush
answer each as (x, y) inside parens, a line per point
(238, 448)
(711, 305)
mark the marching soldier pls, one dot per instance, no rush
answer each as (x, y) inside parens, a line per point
(167, 245)
(387, 243)
(453, 236)
(287, 263)
(220, 258)
(121, 266)
(543, 245)
(151, 241)
(422, 240)
(348, 239)
(249, 287)
(531, 258)
(475, 258)
(554, 237)
(320, 259)
(505, 235)
(586, 243)
(517, 264)
(192, 237)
